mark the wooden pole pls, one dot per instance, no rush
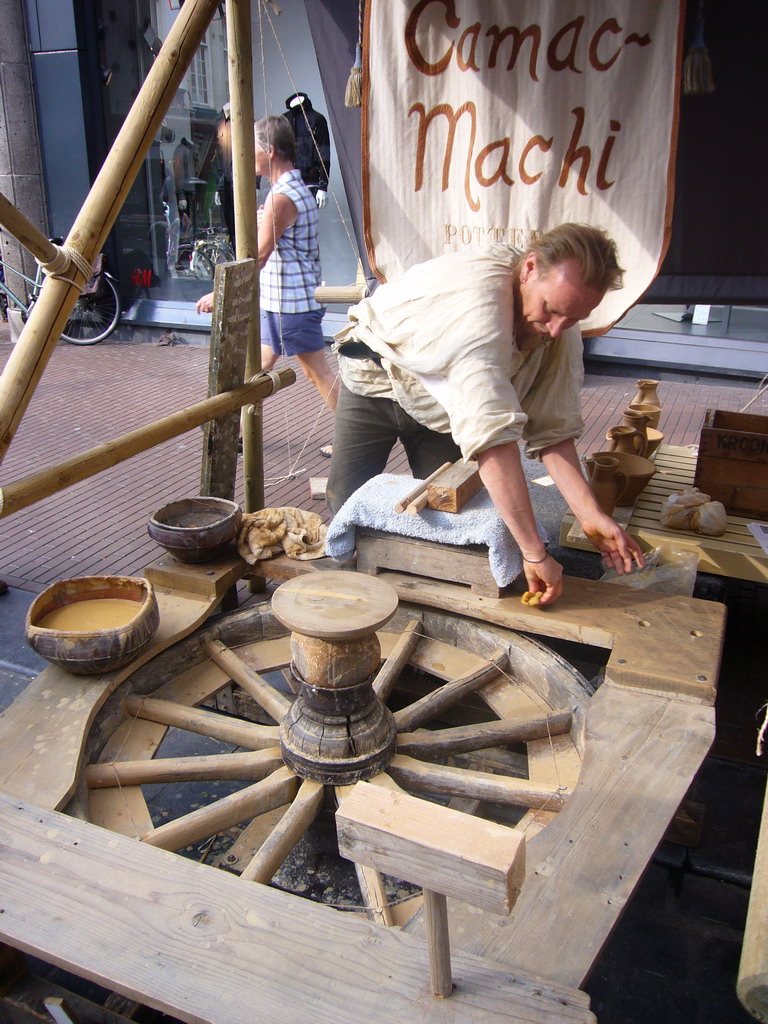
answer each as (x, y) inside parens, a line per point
(99, 212)
(752, 981)
(239, 49)
(18, 495)
(24, 231)
(438, 943)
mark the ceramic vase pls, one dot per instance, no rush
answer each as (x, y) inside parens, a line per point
(606, 480)
(647, 393)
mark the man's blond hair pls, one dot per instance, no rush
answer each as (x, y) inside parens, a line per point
(592, 249)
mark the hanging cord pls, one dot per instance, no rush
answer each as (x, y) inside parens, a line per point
(292, 471)
(761, 388)
(64, 257)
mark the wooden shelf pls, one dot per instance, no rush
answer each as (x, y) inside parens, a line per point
(736, 554)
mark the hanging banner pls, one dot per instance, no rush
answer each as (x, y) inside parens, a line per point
(494, 120)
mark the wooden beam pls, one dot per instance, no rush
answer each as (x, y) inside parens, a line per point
(28, 490)
(477, 861)
(231, 324)
(752, 982)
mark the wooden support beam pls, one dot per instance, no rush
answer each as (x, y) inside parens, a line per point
(274, 791)
(447, 852)
(275, 704)
(231, 323)
(205, 723)
(445, 696)
(28, 490)
(752, 982)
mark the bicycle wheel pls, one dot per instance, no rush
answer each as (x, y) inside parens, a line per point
(94, 316)
(201, 266)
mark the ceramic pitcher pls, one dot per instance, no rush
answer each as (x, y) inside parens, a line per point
(606, 480)
(638, 420)
(647, 393)
(653, 412)
(625, 439)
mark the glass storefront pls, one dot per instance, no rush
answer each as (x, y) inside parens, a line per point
(178, 220)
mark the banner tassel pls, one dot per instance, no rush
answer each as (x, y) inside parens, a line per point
(353, 95)
(697, 67)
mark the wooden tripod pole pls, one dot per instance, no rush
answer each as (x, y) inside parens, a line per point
(239, 48)
(94, 222)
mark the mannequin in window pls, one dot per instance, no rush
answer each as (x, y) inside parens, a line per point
(313, 144)
(183, 173)
(225, 196)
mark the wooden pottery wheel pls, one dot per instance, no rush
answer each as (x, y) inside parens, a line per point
(338, 730)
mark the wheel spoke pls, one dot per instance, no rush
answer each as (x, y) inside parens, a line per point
(286, 834)
(277, 789)
(397, 660)
(447, 695)
(445, 781)
(266, 696)
(206, 723)
(251, 766)
(444, 742)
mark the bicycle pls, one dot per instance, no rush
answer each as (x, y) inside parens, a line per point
(96, 312)
(199, 255)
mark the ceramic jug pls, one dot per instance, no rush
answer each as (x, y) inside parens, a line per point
(653, 412)
(638, 421)
(625, 439)
(606, 480)
(647, 393)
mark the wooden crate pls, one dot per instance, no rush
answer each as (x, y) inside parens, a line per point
(732, 466)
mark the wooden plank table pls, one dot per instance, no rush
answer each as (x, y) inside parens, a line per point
(736, 554)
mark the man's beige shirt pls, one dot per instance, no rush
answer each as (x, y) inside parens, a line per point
(446, 329)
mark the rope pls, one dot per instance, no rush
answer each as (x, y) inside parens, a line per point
(63, 258)
(761, 388)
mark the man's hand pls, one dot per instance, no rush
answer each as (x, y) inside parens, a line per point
(545, 578)
(614, 544)
(204, 304)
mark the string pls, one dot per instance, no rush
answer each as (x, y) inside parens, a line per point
(761, 387)
(293, 471)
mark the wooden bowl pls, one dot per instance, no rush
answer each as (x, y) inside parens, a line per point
(195, 529)
(89, 645)
(638, 471)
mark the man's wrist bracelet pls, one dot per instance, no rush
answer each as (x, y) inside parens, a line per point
(536, 561)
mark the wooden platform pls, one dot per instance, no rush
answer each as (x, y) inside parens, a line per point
(736, 554)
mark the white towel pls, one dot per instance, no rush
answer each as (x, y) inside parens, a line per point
(373, 505)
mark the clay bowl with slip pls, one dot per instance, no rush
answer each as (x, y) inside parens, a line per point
(638, 472)
(195, 529)
(93, 624)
